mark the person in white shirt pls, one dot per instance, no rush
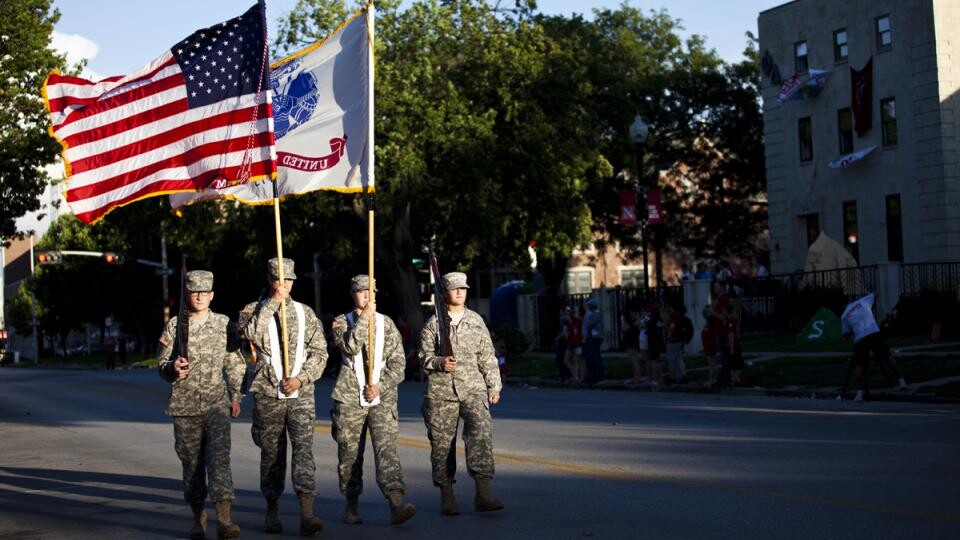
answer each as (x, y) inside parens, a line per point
(858, 321)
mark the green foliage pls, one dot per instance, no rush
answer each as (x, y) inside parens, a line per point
(25, 147)
(511, 338)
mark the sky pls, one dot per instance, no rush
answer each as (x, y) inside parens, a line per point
(119, 36)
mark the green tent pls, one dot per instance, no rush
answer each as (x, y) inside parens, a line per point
(824, 327)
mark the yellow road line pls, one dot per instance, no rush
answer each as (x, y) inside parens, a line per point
(607, 473)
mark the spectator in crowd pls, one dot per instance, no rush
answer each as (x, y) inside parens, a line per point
(560, 345)
(573, 338)
(675, 343)
(685, 274)
(703, 272)
(631, 341)
(592, 339)
(655, 344)
(733, 355)
(708, 337)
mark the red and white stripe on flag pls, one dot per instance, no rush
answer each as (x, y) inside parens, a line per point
(199, 115)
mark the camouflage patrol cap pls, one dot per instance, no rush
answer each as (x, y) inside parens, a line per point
(273, 269)
(361, 282)
(455, 280)
(199, 281)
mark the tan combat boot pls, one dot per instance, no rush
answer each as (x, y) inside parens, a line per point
(350, 515)
(309, 524)
(448, 506)
(271, 522)
(226, 528)
(199, 529)
(484, 502)
(399, 510)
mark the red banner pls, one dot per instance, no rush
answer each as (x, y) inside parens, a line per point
(628, 207)
(654, 208)
(322, 163)
(861, 98)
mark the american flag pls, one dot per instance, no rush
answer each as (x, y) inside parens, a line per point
(197, 116)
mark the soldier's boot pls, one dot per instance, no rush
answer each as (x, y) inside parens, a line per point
(309, 524)
(399, 511)
(448, 505)
(484, 502)
(271, 522)
(350, 514)
(226, 528)
(199, 529)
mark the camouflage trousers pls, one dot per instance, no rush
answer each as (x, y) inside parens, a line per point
(274, 420)
(349, 429)
(203, 446)
(442, 419)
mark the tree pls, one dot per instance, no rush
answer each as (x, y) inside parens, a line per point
(25, 147)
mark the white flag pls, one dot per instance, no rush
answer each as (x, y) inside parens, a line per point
(322, 111)
(845, 161)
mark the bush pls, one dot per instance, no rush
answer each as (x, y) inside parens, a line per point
(513, 339)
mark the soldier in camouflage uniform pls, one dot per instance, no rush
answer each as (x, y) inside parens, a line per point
(198, 404)
(285, 406)
(374, 409)
(463, 384)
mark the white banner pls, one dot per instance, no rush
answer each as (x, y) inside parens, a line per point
(845, 161)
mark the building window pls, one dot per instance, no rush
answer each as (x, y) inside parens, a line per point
(579, 281)
(851, 240)
(800, 57)
(840, 49)
(884, 36)
(845, 129)
(894, 229)
(888, 120)
(811, 224)
(805, 136)
(631, 277)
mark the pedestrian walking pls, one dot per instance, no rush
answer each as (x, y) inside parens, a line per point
(362, 406)
(284, 405)
(200, 399)
(461, 384)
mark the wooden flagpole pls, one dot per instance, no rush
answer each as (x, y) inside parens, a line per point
(282, 283)
(371, 200)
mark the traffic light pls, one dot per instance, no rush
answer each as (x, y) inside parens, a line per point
(113, 258)
(49, 257)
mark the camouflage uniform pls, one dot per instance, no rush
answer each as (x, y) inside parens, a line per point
(351, 421)
(275, 419)
(200, 405)
(464, 393)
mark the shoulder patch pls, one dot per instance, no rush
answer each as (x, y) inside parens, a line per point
(165, 340)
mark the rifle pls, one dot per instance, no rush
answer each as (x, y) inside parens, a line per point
(183, 317)
(440, 309)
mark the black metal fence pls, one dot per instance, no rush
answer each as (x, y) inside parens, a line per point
(920, 278)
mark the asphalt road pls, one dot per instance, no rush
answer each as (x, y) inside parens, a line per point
(89, 454)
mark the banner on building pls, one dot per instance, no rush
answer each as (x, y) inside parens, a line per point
(803, 85)
(861, 97)
(845, 161)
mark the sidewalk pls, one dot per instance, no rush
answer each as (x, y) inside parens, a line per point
(798, 391)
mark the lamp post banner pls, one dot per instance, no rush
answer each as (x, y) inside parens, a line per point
(654, 207)
(628, 207)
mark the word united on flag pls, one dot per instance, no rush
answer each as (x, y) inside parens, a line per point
(199, 115)
(322, 108)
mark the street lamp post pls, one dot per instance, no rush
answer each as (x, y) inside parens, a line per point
(638, 134)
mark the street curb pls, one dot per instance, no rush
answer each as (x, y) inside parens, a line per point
(793, 392)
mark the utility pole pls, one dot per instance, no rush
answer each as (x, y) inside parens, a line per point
(33, 309)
